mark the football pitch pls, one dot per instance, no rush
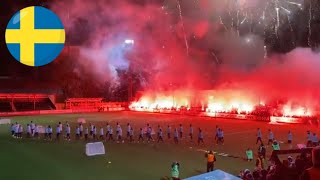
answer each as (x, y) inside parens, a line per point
(51, 160)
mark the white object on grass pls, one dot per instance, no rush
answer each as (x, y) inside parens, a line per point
(5, 121)
(93, 149)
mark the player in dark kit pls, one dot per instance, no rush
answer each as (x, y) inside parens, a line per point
(86, 134)
(128, 130)
(262, 151)
(270, 137)
(131, 135)
(91, 129)
(101, 133)
(191, 131)
(200, 137)
(81, 129)
(216, 136)
(140, 135)
(176, 136)
(77, 133)
(160, 135)
(169, 131)
(181, 130)
(259, 136)
(50, 132)
(111, 134)
(58, 131)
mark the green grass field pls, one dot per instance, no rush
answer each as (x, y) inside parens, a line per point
(39, 159)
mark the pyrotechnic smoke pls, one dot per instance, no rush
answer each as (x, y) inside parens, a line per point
(217, 58)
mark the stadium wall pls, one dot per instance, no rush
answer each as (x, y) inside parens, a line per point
(272, 119)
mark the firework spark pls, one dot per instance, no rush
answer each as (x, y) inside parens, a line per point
(183, 27)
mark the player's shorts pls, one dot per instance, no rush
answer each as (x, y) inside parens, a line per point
(289, 141)
(91, 133)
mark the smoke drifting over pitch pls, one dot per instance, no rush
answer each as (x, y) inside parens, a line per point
(217, 58)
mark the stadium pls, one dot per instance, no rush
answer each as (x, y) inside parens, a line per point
(166, 89)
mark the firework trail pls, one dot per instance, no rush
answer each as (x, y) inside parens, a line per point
(245, 18)
(251, 23)
(291, 29)
(183, 28)
(221, 22)
(216, 58)
(278, 22)
(309, 24)
(238, 23)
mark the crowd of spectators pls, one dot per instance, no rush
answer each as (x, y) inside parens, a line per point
(304, 166)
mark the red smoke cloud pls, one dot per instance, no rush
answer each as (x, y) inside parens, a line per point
(159, 51)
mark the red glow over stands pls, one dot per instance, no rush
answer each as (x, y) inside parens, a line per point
(221, 104)
(94, 104)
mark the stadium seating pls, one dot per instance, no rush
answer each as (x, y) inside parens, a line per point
(5, 107)
(44, 105)
(83, 103)
(24, 106)
(30, 106)
(25, 102)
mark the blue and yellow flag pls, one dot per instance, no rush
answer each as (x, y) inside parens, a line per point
(35, 36)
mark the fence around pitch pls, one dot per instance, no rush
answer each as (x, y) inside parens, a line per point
(273, 119)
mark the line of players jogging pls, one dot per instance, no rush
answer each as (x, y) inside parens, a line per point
(90, 133)
(144, 134)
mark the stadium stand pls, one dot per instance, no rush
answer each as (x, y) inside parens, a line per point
(26, 102)
(5, 107)
(83, 103)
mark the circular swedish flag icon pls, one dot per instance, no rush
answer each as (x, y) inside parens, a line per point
(35, 36)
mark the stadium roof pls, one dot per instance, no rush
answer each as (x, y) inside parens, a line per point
(28, 91)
